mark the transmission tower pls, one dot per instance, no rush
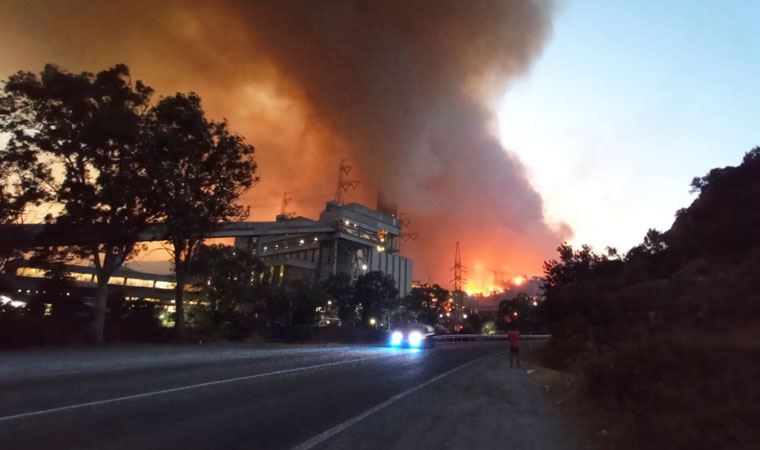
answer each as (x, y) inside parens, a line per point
(406, 234)
(458, 270)
(457, 296)
(286, 199)
(284, 214)
(345, 182)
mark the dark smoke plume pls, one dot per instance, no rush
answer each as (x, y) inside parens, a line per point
(400, 87)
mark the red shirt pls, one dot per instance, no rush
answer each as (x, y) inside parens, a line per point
(514, 338)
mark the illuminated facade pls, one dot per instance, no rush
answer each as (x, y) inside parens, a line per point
(135, 285)
(351, 239)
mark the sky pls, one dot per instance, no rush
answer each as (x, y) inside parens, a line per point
(507, 126)
(628, 102)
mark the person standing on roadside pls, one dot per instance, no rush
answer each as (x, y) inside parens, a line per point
(513, 336)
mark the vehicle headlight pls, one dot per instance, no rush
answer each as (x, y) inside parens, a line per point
(397, 337)
(415, 338)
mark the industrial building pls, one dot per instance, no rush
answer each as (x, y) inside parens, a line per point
(134, 285)
(351, 239)
(346, 238)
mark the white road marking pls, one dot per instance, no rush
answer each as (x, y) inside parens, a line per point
(320, 438)
(178, 389)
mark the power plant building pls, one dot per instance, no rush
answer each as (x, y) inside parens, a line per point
(351, 239)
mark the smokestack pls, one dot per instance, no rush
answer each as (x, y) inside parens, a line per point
(385, 205)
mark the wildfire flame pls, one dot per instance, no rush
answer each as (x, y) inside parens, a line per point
(486, 290)
(481, 283)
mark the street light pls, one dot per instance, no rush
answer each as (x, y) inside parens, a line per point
(372, 321)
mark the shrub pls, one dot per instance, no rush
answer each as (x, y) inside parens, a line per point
(680, 390)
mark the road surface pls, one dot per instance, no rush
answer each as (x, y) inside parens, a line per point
(459, 395)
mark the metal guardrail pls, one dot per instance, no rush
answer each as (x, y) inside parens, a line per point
(485, 337)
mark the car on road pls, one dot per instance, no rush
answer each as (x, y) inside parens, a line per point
(412, 335)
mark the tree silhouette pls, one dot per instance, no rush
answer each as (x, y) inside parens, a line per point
(340, 290)
(198, 170)
(427, 301)
(86, 127)
(375, 292)
(227, 278)
(22, 173)
(723, 222)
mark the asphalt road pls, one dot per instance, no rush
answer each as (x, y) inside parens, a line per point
(243, 398)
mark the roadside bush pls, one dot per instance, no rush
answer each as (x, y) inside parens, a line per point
(138, 322)
(19, 329)
(681, 390)
(569, 342)
(203, 324)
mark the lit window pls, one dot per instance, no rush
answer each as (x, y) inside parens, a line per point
(117, 280)
(165, 285)
(32, 272)
(83, 277)
(139, 282)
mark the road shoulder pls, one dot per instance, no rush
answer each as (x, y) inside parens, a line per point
(485, 405)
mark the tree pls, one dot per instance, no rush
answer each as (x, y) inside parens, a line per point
(227, 278)
(427, 301)
(198, 170)
(722, 222)
(517, 311)
(341, 292)
(237, 287)
(22, 175)
(21, 184)
(302, 302)
(85, 128)
(375, 292)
